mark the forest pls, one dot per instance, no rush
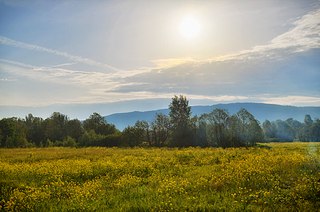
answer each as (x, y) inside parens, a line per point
(179, 129)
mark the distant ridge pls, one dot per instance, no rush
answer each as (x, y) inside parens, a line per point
(260, 110)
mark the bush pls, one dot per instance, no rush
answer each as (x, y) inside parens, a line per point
(70, 142)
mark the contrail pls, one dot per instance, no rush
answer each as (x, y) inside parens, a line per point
(14, 43)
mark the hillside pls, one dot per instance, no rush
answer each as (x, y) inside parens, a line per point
(259, 110)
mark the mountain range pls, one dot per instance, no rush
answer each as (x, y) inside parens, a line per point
(261, 112)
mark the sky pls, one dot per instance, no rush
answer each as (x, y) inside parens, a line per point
(115, 56)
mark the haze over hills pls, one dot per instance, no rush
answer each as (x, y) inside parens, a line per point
(83, 111)
(261, 111)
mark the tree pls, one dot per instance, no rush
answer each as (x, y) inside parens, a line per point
(74, 129)
(90, 138)
(315, 130)
(201, 137)
(250, 130)
(268, 129)
(133, 136)
(218, 120)
(284, 131)
(310, 130)
(234, 131)
(13, 133)
(97, 123)
(160, 129)
(294, 124)
(308, 120)
(144, 128)
(216, 127)
(180, 113)
(35, 130)
(55, 127)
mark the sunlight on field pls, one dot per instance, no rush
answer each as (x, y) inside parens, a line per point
(277, 176)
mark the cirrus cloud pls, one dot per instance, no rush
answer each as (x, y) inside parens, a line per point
(23, 45)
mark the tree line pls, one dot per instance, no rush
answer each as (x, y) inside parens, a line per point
(178, 129)
(291, 130)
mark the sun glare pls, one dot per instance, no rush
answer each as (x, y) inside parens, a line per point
(189, 27)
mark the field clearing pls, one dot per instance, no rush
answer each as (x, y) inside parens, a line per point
(272, 177)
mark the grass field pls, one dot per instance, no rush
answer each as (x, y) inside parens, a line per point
(274, 177)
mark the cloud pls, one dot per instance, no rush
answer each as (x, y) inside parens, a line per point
(16, 63)
(283, 71)
(171, 62)
(60, 75)
(7, 80)
(303, 36)
(96, 87)
(87, 61)
(292, 100)
(277, 67)
(62, 65)
(51, 85)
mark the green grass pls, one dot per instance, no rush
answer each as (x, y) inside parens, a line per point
(277, 176)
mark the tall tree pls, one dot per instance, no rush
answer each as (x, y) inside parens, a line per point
(180, 118)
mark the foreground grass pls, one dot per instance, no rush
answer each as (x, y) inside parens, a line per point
(276, 177)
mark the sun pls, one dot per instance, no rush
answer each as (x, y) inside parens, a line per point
(189, 27)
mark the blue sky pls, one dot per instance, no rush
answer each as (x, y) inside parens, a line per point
(134, 53)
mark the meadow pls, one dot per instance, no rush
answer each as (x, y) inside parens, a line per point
(269, 177)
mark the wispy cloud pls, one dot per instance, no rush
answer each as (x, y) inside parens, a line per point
(7, 80)
(304, 35)
(87, 61)
(57, 75)
(16, 63)
(62, 65)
